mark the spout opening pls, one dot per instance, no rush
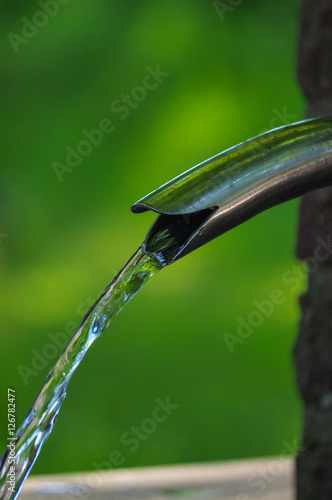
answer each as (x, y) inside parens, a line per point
(170, 234)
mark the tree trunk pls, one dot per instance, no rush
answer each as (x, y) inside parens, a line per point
(313, 349)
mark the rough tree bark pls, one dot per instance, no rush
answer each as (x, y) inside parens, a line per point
(313, 349)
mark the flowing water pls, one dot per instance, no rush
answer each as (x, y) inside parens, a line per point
(40, 419)
(158, 250)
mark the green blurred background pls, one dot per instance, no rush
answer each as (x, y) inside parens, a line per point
(62, 242)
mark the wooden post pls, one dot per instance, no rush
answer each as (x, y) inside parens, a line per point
(313, 349)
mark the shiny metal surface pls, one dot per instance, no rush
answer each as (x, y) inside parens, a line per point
(245, 180)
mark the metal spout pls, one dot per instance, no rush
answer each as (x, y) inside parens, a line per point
(239, 183)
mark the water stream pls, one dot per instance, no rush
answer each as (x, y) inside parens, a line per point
(41, 417)
(163, 240)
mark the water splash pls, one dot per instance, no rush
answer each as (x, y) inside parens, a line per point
(41, 417)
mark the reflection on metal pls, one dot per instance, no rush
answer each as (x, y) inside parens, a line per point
(241, 182)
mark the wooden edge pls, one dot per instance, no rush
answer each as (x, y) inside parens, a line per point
(249, 478)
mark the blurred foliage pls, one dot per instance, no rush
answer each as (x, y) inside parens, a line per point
(228, 80)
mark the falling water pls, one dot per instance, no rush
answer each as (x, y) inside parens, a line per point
(41, 417)
(164, 239)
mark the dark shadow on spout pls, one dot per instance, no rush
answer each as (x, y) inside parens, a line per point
(170, 233)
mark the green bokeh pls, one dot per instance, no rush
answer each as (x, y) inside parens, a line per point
(228, 80)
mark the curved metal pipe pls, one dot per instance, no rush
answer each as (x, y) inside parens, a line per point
(237, 184)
